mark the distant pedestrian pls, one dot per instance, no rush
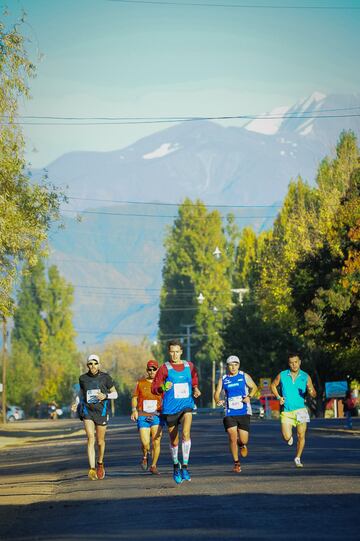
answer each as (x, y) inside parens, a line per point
(239, 388)
(177, 382)
(145, 410)
(294, 384)
(96, 389)
(349, 403)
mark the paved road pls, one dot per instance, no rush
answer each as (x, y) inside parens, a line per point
(45, 493)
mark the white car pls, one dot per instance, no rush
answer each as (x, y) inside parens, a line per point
(14, 413)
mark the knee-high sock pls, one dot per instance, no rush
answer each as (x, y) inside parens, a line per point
(174, 453)
(186, 446)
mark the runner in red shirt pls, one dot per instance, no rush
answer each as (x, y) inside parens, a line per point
(146, 408)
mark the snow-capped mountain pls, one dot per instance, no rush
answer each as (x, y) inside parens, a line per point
(251, 165)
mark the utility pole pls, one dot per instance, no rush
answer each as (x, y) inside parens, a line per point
(188, 339)
(213, 385)
(4, 363)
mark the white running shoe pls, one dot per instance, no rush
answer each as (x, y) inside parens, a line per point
(298, 462)
(290, 441)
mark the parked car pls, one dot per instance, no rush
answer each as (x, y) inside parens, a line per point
(257, 408)
(14, 413)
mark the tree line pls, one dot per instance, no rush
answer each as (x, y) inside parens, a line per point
(300, 279)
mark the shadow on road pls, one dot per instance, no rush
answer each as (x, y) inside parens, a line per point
(230, 517)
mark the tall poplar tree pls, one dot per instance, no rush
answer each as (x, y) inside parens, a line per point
(192, 271)
(44, 362)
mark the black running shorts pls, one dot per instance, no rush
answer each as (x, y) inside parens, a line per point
(98, 419)
(242, 422)
(176, 418)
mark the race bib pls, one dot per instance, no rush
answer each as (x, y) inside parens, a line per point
(150, 406)
(181, 390)
(91, 396)
(302, 416)
(235, 403)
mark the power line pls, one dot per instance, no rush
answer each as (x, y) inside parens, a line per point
(153, 215)
(237, 6)
(159, 203)
(187, 117)
(176, 120)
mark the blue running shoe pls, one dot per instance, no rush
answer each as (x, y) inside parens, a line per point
(185, 474)
(177, 475)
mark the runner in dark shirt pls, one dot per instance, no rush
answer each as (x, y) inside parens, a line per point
(96, 388)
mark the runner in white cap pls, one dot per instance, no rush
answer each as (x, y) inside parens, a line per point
(239, 388)
(92, 405)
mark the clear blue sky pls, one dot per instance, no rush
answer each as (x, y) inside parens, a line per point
(108, 58)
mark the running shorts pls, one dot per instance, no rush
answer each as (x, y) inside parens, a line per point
(242, 422)
(295, 417)
(176, 418)
(149, 421)
(98, 419)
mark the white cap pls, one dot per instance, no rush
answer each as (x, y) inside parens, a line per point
(93, 357)
(233, 359)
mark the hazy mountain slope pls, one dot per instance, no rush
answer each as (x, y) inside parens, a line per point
(120, 254)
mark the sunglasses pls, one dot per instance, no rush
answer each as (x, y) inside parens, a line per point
(92, 364)
(152, 369)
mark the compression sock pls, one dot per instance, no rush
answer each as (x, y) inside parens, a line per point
(174, 450)
(186, 446)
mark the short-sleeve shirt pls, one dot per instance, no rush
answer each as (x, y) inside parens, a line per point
(91, 385)
(148, 403)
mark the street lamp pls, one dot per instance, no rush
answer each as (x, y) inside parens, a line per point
(217, 253)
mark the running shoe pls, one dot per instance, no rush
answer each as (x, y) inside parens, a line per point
(100, 470)
(177, 475)
(237, 467)
(298, 462)
(185, 474)
(144, 463)
(92, 474)
(244, 451)
(154, 470)
(290, 441)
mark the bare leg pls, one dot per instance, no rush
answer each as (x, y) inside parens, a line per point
(233, 442)
(286, 430)
(301, 430)
(145, 440)
(100, 438)
(90, 433)
(243, 437)
(156, 433)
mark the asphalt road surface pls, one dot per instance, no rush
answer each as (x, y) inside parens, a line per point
(45, 493)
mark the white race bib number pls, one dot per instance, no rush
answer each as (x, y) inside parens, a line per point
(91, 396)
(302, 416)
(181, 390)
(235, 403)
(150, 406)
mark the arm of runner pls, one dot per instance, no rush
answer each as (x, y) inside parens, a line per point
(274, 385)
(217, 393)
(134, 412)
(194, 381)
(75, 404)
(253, 388)
(158, 384)
(310, 388)
(112, 395)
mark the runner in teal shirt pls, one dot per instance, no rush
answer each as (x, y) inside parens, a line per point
(294, 384)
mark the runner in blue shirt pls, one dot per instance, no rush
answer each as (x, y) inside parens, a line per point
(177, 382)
(239, 388)
(294, 384)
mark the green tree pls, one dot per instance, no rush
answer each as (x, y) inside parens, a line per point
(26, 210)
(43, 339)
(190, 270)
